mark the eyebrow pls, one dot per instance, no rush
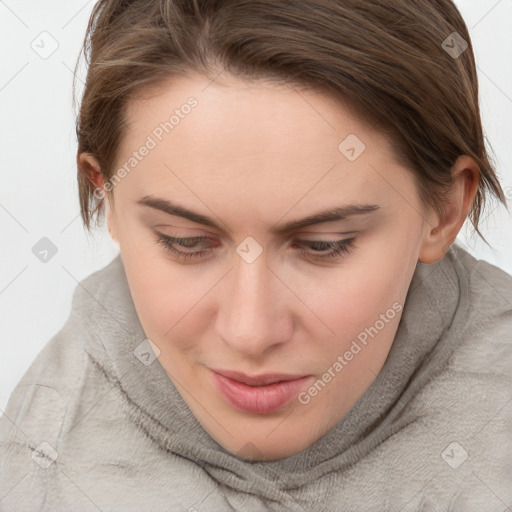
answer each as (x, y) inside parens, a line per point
(329, 215)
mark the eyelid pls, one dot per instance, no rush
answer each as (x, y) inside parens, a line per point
(298, 232)
(325, 233)
(206, 243)
(166, 225)
(338, 248)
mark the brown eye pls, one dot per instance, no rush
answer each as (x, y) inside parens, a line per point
(329, 249)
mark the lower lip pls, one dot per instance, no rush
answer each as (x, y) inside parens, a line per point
(258, 399)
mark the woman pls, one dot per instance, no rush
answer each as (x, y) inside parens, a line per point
(289, 324)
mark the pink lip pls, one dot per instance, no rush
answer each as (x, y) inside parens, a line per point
(259, 394)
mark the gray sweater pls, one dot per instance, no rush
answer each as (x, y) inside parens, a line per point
(95, 424)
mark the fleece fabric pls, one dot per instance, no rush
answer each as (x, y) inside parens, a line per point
(95, 424)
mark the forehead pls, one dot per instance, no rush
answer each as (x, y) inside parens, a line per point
(256, 116)
(254, 138)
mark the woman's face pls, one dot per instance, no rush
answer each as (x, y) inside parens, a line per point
(270, 333)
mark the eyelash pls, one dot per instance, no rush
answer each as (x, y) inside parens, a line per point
(340, 247)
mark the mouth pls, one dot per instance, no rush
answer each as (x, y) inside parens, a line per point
(259, 394)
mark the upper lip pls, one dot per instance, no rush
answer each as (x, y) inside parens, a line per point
(258, 380)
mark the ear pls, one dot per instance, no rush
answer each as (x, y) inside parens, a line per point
(442, 232)
(92, 170)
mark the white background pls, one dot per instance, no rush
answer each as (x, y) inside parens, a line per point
(38, 188)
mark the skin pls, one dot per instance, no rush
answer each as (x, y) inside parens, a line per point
(253, 156)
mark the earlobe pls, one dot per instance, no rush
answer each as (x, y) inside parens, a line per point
(442, 232)
(92, 170)
(434, 248)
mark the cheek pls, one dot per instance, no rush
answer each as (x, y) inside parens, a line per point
(154, 296)
(365, 316)
(384, 275)
(356, 300)
(169, 307)
(363, 304)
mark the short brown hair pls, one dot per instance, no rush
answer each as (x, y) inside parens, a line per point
(386, 60)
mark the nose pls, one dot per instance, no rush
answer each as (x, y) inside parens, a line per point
(253, 317)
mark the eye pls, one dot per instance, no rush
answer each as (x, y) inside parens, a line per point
(332, 249)
(321, 250)
(170, 242)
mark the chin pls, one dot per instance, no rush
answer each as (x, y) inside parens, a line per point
(282, 439)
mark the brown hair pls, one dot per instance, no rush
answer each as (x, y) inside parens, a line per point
(389, 61)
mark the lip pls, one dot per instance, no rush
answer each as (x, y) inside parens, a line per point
(259, 394)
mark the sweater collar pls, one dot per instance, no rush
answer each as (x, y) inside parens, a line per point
(114, 340)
